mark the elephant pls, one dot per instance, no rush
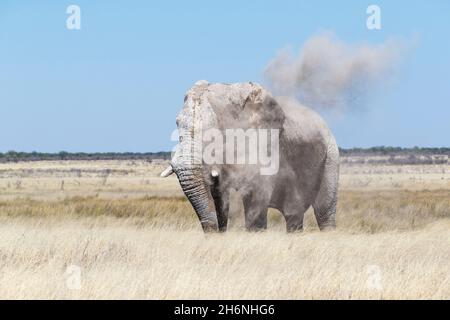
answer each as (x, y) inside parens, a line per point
(306, 174)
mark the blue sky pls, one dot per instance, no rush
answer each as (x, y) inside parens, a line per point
(118, 83)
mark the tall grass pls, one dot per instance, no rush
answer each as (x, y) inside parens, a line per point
(122, 260)
(358, 211)
(135, 236)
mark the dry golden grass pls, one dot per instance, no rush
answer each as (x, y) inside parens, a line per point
(135, 236)
(358, 212)
(118, 260)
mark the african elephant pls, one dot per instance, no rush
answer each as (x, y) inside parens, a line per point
(306, 174)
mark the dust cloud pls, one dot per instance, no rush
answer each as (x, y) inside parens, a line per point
(328, 74)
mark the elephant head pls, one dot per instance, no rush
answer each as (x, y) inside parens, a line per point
(218, 106)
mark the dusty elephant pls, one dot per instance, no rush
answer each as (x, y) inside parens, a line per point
(307, 171)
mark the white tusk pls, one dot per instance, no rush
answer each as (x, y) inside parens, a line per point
(167, 172)
(215, 173)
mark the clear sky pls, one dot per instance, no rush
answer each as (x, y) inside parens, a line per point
(118, 83)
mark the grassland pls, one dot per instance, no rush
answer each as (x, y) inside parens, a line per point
(114, 229)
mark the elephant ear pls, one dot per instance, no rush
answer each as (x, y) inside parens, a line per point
(252, 106)
(261, 110)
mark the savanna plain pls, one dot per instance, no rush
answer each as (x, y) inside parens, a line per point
(116, 230)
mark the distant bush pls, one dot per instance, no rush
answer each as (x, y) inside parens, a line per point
(13, 156)
(397, 155)
(396, 151)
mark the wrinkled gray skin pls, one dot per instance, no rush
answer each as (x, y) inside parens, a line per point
(308, 168)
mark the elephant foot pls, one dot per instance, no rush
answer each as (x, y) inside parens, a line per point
(293, 229)
(328, 227)
(256, 224)
(256, 228)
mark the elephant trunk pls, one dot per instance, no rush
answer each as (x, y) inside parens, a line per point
(193, 185)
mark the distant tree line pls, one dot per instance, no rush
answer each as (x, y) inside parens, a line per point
(395, 155)
(395, 151)
(414, 155)
(14, 156)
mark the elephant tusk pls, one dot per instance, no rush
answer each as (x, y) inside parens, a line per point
(215, 173)
(167, 172)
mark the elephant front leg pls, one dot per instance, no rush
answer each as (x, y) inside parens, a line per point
(222, 204)
(255, 207)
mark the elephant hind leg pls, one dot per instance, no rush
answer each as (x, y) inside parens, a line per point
(294, 212)
(325, 215)
(255, 207)
(294, 223)
(326, 200)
